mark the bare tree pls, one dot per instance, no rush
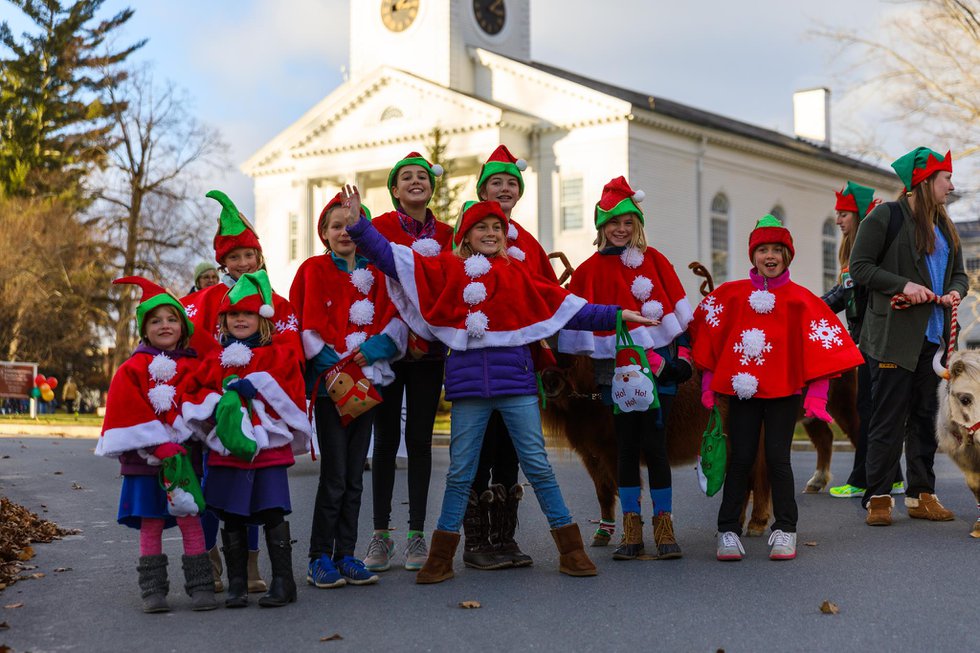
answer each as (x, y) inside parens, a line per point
(150, 198)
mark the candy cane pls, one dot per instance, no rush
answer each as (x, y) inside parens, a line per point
(901, 301)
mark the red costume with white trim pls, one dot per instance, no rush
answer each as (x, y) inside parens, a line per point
(768, 343)
(522, 246)
(390, 226)
(646, 283)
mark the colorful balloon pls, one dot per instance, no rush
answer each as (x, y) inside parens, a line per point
(53, 382)
(47, 395)
(39, 379)
(45, 388)
(35, 393)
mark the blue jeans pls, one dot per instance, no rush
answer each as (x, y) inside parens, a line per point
(523, 421)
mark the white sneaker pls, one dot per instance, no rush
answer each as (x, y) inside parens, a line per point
(729, 546)
(783, 545)
(379, 554)
(416, 553)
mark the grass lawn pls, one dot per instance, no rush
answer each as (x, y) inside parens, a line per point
(56, 418)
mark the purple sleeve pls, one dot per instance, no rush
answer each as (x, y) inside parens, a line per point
(594, 317)
(372, 244)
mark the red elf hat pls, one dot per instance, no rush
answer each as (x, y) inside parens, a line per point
(473, 212)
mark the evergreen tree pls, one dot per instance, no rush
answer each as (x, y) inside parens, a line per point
(446, 202)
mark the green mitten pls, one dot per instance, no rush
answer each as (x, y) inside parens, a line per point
(229, 417)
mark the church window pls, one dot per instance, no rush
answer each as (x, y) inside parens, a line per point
(829, 254)
(293, 237)
(571, 203)
(719, 238)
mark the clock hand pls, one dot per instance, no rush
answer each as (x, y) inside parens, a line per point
(496, 7)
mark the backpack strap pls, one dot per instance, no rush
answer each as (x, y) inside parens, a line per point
(895, 220)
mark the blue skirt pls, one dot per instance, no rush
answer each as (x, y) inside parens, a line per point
(141, 497)
(246, 492)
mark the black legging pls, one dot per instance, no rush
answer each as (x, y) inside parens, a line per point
(497, 456)
(269, 518)
(421, 381)
(643, 432)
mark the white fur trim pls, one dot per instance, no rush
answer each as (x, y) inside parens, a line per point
(180, 503)
(437, 170)
(476, 266)
(312, 343)
(362, 280)
(639, 196)
(745, 385)
(355, 339)
(427, 247)
(753, 340)
(631, 257)
(516, 252)
(127, 438)
(162, 397)
(511, 231)
(267, 311)
(641, 288)
(236, 355)
(474, 292)
(652, 310)
(362, 312)
(477, 323)
(762, 301)
(587, 343)
(274, 396)
(162, 368)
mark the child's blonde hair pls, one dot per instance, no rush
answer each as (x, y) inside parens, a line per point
(184, 337)
(638, 241)
(464, 251)
(258, 257)
(266, 328)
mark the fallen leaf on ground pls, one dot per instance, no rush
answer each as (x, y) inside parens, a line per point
(4, 625)
(77, 486)
(810, 544)
(470, 605)
(26, 553)
(5, 649)
(60, 569)
(39, 574)
(5, 457)
(13, 606)
(58, 473)
(829, 608)
(331, 638)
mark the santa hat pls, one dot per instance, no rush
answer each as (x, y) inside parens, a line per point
(618, 199)
(856, 198)
(472, 213)
(252, 293)
(919, 164)
(234, 231)
(628, 360)
(770, 230)
(337, 200)
(413, 159)
(502, 161)
(153, 296)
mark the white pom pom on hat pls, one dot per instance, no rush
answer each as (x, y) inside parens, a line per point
(437, 170)
(639, 196)
(267, 311)
(521, 164)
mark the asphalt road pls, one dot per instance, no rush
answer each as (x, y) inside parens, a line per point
(912, 587)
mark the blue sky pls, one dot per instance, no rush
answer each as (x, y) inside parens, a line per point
(252, 67)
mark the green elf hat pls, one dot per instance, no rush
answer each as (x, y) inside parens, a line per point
(770, 230)
(919, 164)
(234, 230)
(618, 199)
(502, 161)
(337, 200)
(413, 159)
(153, 296)
(857, 199)
(252, 293)
(474, 212)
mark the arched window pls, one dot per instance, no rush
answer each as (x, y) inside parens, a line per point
(829, 254)
(391, 113)
(778, 212)
(719, 238)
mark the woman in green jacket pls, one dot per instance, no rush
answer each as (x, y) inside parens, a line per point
(922, 260)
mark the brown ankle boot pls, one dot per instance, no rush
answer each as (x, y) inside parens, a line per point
(631, 546)
(927, 506)
(880, 510)
(439, 565)
(663, 535)
(572, 560)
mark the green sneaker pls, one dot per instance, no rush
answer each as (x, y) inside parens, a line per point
(898, 488)
(846, 491)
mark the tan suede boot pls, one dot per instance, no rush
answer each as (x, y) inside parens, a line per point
(216, 569)
(255, 582)
(880, 510)
(572, 560)
(439, 565)
(927, 506)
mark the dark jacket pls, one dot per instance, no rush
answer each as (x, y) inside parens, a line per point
(891, 335)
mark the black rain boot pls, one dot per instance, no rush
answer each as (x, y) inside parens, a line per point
(153, 583)
(505, 516)
(478, 552)
(198, 582)
(236, 562)
(282, 588)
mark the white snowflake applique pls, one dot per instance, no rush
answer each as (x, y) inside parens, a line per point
(289, 324)
(712, 311)
(825, 333)
(752, 347)
(191, 310)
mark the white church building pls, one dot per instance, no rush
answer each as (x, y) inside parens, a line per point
(707, 177)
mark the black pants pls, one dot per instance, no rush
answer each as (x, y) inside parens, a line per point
(497, 457)
(859, 474)
(421, 381)
(338, 494)
(643, 432)
(269, 519)
(745, 421)
(904, 409)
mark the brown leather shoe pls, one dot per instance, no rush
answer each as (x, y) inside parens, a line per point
(439, 565)
(631, 545)
(663, 535)
(572, 559)
(927, 506)
(880, 510)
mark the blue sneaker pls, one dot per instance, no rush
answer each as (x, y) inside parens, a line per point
(355, 573)
(324, 574)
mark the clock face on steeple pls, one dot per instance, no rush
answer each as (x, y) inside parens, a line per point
(397, 15)
(490, 15)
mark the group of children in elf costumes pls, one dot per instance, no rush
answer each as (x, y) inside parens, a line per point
(411, 306)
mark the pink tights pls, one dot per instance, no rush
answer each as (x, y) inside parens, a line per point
(151, 536)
